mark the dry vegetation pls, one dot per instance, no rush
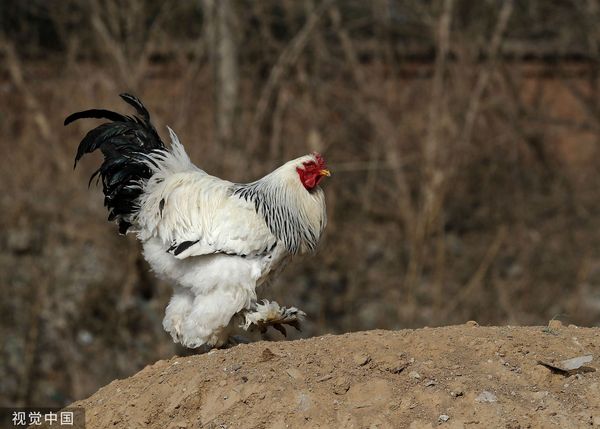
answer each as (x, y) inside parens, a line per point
(463, 137)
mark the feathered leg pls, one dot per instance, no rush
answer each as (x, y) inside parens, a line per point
(177, 311)
(208, 321)
(269, 313)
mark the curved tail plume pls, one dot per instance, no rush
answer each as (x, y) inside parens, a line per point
(126, 143)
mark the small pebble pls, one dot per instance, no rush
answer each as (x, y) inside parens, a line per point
(361, 359)
(444, 418)
(324, 378)
(341, 386)
(266, 355)
(555, 324)
(294, 373)
(414, 374)
(486, 396)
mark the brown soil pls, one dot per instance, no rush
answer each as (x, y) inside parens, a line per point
(454, 377)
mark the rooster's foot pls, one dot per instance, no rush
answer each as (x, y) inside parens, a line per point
(272, 314)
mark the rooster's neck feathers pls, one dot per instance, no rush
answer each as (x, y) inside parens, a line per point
(294, 215)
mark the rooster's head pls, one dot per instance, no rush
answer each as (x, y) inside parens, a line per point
(311, 169)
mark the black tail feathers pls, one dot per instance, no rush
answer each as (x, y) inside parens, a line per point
(125, 143)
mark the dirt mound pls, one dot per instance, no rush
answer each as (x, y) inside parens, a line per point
(459, 376)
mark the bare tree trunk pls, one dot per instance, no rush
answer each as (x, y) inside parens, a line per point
(220, 30)
(431, 204)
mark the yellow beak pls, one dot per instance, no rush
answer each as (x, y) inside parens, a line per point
(325, 173)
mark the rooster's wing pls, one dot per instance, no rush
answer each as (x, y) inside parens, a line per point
(194, 213)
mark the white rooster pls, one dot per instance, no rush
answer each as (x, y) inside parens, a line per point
(217, 241)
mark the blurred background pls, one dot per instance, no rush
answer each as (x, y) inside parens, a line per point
(463, 137)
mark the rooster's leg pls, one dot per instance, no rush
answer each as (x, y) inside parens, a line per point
(208, 322)
(267, 314)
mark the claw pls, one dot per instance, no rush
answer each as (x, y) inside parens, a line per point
(295, 324)
(280, 328)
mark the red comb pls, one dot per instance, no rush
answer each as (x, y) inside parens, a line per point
(320, 160)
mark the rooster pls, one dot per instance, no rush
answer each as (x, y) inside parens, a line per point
(215, 240)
